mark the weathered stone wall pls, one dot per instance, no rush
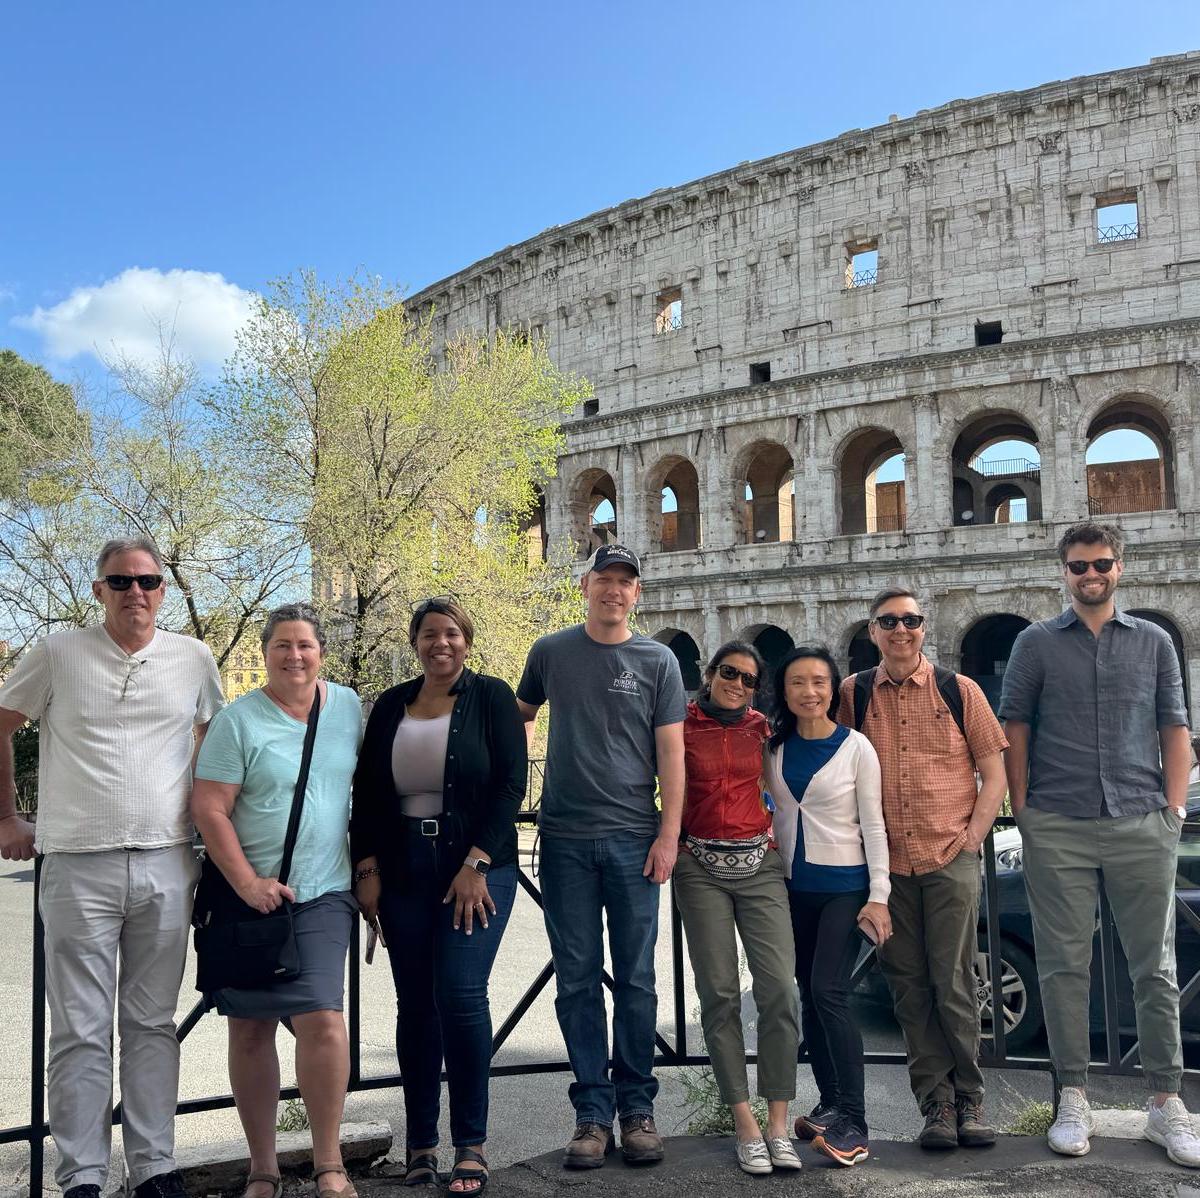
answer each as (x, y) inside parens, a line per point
(981, 211)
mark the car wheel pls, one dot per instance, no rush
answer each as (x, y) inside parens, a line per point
(1021, 1000)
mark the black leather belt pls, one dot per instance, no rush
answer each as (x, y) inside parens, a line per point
(429, 828)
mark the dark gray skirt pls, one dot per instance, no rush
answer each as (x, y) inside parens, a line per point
(323, 929)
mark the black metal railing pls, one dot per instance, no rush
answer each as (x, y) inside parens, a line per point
(668, 322)
(1152, 499)
(862, 278)
(993, 1055)
(1006, 467)
(1123, 232)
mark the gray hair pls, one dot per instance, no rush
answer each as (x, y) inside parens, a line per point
(127, 545)
(294, 611)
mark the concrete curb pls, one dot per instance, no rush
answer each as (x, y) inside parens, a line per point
(222, 1166)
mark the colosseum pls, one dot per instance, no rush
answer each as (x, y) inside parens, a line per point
(889, 357)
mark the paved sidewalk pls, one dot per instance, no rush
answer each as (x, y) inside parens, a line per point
(704, 1168)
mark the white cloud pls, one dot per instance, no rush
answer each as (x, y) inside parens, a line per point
(123, 315)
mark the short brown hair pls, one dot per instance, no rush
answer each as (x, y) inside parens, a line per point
(1092, 532)
(443, 605)
(889, 593)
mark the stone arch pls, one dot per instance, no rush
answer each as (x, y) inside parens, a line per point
(985, 649)
(864, 505)
(1135, 485)
(589, 491)
(1172, 628)
(534, 529)
(773, 643)
(767, 507)
(972, 478)
(686, 652)
(679, 529)
(998, 501)
(860, 652)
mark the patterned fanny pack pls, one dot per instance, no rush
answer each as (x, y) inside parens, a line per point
(729, 858)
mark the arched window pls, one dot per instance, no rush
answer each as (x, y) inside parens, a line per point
(872, 483)
(862, 653)
(1130, 464)
(986, 648)
(593, 511)
(769, 512)
(997, 471)
(678, 518)
(687, 653)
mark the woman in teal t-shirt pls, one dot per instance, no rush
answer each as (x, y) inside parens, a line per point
(242, 798)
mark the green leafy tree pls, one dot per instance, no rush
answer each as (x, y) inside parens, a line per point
(36, 413)
(412, 471)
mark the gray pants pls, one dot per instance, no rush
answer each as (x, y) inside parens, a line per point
(98, 907)
(757, 907)
(928, 966)
(1065, 859)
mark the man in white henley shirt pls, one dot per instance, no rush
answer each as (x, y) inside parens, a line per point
(122, 707)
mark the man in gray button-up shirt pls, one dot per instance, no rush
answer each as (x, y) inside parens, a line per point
(1097, 771)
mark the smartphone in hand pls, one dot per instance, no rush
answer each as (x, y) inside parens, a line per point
(866, 929)
(373, 938)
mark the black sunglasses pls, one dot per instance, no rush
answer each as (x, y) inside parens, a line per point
(122, 582)
(749, 681)
(1102, 565)
(910, 620)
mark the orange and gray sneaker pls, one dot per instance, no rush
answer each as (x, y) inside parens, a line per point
(844, 1141)
(815, 1122)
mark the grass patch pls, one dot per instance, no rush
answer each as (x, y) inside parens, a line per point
(1034, 1120)
(292, 1116)
(706, 1114)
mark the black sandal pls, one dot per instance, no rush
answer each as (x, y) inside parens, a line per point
(480, 1175)
(421, 1170)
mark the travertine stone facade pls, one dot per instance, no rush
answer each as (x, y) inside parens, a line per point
(981, 211)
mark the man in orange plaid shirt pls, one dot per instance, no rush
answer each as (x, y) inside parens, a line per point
(934, 732)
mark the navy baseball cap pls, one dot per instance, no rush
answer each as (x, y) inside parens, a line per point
(613, 555)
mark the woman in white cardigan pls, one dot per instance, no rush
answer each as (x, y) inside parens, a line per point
(830, 834)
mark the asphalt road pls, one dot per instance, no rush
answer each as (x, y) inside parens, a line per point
(529, 1114)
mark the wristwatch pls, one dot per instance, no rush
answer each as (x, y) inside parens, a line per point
(478, 864)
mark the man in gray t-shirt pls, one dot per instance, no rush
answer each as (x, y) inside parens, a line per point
(617, 707)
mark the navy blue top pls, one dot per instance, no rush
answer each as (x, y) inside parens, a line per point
(801, 760)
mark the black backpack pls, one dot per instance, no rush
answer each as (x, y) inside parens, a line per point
(947, 684)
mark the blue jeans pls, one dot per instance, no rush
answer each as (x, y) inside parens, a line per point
(580, 880)
(441, 981)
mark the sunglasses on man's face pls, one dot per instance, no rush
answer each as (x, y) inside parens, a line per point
(749, 681)
(910, 620)
(122, 582)
(1102, 565)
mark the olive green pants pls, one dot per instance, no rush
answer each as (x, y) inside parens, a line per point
(928, 964)
(757, 908)
(1065, 859)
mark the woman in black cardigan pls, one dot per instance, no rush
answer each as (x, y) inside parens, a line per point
(440, 777)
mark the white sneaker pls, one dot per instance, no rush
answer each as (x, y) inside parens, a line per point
(753, 1157)
(1070, 1133)
(1171, 1126)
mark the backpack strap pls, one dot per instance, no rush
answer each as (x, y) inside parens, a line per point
(863, 681)
(948, 688)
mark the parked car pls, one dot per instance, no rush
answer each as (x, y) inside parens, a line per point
(1019, 990)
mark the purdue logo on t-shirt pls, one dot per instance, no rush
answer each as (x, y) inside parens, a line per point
(624, 683)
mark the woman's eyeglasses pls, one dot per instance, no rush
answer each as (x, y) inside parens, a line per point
(1102, 565)
(122, 582)
(910, 620)
(749, 681)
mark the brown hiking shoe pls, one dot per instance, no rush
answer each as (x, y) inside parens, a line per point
(640, 1142)
(973, 1132)
(941, 1127)
(590, 1144)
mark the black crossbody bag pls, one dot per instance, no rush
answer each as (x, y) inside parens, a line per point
(238, 948)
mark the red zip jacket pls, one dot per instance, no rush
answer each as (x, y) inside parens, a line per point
(724, 764)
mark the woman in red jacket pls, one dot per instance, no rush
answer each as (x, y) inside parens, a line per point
(730, 876)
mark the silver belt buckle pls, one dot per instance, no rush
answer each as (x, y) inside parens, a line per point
(429, 827)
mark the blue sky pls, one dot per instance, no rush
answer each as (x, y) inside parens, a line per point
(173, 159)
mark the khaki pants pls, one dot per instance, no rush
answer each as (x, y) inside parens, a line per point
(1065, 858)
(98, 908)
(928, 965)
(757, 907)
